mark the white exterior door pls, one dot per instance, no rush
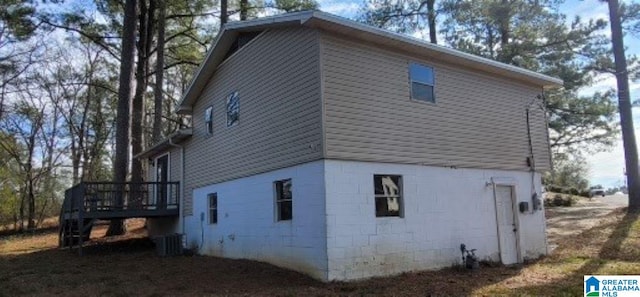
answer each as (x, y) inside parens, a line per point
(507, 225)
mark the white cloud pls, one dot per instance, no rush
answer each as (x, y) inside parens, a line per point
(589, 9)
(348, 9)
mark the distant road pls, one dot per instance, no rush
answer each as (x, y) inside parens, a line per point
(613, 201)
(586, 214)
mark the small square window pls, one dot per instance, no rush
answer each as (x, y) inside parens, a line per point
(388, 195)
(213, 208)
(284, 200)
(422, 82)
(233, 109)
(208, 119)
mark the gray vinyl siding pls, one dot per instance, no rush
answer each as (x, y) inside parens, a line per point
(174, 163)
(277, 76)
(478, 120)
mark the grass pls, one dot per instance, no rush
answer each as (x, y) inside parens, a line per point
(46, 224)
(125, 266)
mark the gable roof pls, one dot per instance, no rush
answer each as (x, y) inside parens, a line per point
(332, 23)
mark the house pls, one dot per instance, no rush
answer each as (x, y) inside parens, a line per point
(345, 151)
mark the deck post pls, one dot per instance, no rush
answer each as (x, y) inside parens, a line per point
(81, 219)
(68, 228)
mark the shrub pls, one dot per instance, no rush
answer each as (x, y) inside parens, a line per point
(568, 201)
(559, 200)
(573, 191)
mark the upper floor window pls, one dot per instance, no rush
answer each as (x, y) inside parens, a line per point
(208, 119)
(233, 109)
(422, 82)
(284, 199)
(388, 195)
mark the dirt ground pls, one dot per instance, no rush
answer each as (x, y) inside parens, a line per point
(586, 214)
(32, 265)
(127, 265)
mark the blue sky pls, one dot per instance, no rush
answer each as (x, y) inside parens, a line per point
(606, 168)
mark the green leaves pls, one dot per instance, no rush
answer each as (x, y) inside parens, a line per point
(402, 16)
(16, 20)
(630, 17)
(296, 5)
(581, 122)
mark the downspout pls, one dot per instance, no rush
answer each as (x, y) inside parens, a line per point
(532, 163)
(180, 210)
(536, 200)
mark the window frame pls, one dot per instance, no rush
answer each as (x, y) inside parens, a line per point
(236, 109)
(399, 197)
(208, 119)
(212, 220)
(432, 84)
(279, 200)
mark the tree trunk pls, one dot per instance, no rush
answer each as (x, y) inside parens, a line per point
(75, 161)
(31, 206)
(224, 14)
(624, 104)
(157, 116)
(145, 35)
(31, 210)
(505, 18)
(121, 162)
(138, 99)
(244, 9)
(22, 202)
(431, 11)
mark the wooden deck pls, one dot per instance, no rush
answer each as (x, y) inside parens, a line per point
(89, 201)
(123, 214)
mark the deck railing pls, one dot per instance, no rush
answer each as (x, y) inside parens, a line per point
(108, 200)
(110, 196)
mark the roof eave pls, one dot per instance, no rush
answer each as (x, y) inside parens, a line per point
(170, 141)
(226, 37)
(209, 64)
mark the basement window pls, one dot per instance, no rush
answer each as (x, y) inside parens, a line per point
(213, 208)
(233, 109)
(284, 199)
(422, 82)
(208, 119)
(388, 195)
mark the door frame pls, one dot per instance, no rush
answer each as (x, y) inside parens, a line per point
(155, 178)
(516, 220)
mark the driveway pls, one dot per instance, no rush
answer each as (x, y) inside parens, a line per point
(562, 221)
